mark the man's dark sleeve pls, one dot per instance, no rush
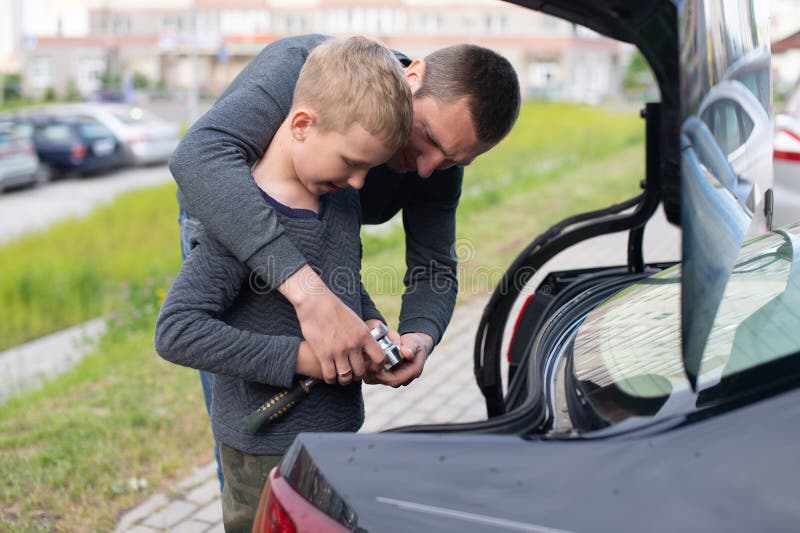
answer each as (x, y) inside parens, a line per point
(212, 163)
(429, 219)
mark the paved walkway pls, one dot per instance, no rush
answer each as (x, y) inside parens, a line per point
(446, 392)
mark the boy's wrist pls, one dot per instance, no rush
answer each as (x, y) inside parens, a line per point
(301, 287)
(307, 363)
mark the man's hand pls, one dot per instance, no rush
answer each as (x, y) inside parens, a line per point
(415, 348)
(336, 335)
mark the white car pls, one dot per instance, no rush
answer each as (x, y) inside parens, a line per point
(787, 161)
(742, 128)
(19, 165)
(145, 137)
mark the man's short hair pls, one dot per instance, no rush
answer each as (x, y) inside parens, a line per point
(482, 75)
(357, 80)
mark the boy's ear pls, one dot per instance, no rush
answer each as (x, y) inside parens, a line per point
(415, 72)
(301, 122)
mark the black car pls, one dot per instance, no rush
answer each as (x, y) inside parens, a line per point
(643, 397)
(71, 145)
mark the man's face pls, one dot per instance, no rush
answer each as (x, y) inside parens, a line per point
(442, 134)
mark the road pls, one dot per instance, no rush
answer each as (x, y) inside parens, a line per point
(26, 210)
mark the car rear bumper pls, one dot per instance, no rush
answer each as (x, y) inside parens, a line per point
(19, 172)
(149, 153)
(787, 192)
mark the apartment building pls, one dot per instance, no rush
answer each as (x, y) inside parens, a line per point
(554, 59)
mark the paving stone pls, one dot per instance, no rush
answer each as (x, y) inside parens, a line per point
(150, 506)
(198, 476)
(189, 526)
(409, 418)
(211, 513)
(205, 492)
(216, 528)
(142, 529)
(171, 514)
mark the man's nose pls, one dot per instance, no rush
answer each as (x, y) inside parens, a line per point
(429, 162)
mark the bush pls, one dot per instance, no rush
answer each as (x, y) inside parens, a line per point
(12, 87)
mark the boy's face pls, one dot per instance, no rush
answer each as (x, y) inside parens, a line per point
(325, 161)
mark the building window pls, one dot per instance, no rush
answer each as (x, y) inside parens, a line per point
(361, 20)
(392, 21)
(543, 74)
(431, 22)
(90, 72)
(293, 24)
(495, 23)
(172, 24)
(122, 25)
(208, 23)
(336, 21)
(243, 22)
(40, 72)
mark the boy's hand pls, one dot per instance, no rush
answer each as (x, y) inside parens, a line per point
(336, 335)
(415, 348)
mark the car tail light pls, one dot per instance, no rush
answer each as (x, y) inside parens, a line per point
(788, 155)
(78, 152)
(516, 325)
(784, 155)
(283, 510)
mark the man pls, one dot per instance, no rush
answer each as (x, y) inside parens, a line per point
(465, 100)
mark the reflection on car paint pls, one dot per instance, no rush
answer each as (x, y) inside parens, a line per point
(719, 54)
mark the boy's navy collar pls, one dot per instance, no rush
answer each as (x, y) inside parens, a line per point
(294, 212)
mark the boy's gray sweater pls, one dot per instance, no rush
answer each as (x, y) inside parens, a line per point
(212, 168)
(218, 317)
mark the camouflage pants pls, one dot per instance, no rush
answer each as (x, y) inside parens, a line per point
(245, 477)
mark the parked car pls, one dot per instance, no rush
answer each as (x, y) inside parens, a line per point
(787, 160)
(71, 144)
(144, 137)
(644, 397)
(741, 127)
(19, 165)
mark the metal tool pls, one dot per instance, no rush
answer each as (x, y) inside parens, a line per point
(279, 405)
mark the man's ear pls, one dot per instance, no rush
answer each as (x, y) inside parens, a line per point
(415, 72)
(302, 120)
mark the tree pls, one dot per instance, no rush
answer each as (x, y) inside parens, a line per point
(638, 76)
(140, 80)
(11, 87)
(73, 94)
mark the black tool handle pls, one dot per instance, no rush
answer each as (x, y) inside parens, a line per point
(278, 405)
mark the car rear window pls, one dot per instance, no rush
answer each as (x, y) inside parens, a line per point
(134, 115)
(93, 130)
(55, 133)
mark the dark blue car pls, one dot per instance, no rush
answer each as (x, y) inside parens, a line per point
(72, 145)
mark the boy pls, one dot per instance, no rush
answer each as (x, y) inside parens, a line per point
(351, 111)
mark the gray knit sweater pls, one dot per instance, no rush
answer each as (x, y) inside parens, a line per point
(212, 168)
(219, 317)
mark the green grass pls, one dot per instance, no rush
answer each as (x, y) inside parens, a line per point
(85, 268)
(68, 450)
